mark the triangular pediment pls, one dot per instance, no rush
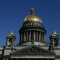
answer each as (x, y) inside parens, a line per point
(32, 50)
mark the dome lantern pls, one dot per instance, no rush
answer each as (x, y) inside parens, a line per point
(32, 11)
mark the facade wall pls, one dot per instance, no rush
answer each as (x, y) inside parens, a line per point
(57, 59)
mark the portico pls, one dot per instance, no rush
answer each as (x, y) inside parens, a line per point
(32, 53)
(30, 59)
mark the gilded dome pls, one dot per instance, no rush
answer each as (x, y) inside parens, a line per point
(32, 17)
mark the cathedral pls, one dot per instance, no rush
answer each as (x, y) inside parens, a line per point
(32, 43)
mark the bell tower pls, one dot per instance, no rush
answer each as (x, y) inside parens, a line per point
(54, 39)
(10, 39)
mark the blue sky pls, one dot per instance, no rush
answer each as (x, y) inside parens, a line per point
(13, 12)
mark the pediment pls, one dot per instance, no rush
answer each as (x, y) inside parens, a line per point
(32, 50)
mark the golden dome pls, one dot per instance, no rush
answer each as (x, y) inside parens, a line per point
(32, 17)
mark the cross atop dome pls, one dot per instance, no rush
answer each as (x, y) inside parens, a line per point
(32, 11)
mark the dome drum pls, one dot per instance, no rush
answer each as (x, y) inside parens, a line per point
(32, 36)
(32, 25)
(32, 28)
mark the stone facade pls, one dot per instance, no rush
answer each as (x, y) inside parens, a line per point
(32, 45)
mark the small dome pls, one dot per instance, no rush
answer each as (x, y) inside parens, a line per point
(32, 17)
(11, 33)
(54, 33)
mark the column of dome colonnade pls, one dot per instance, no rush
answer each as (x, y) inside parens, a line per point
(32, 35)
(32, 29)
